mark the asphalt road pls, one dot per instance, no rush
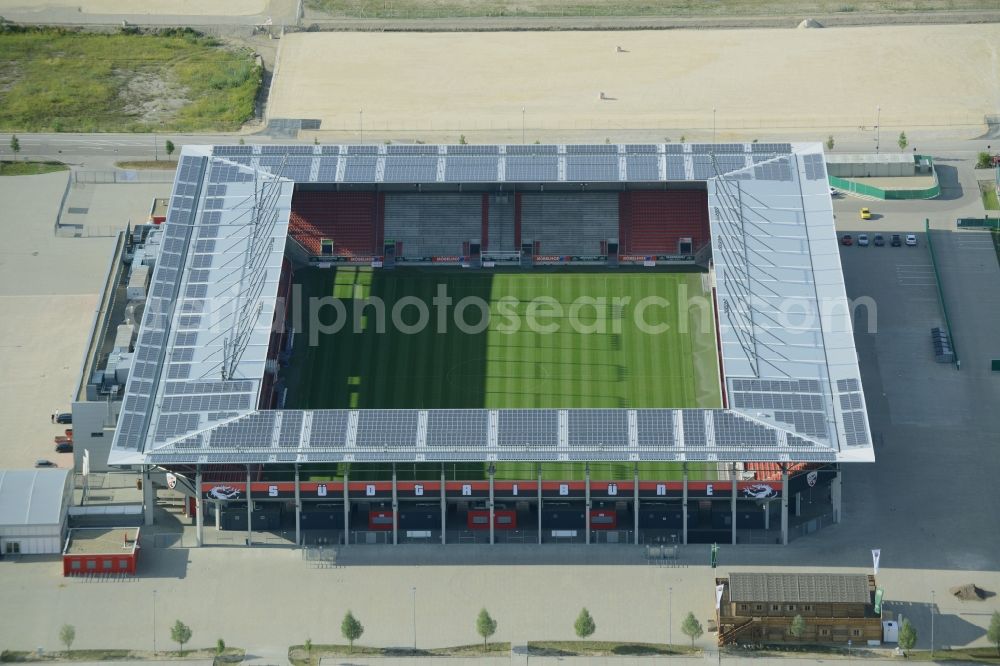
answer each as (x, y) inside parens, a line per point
(103, 150)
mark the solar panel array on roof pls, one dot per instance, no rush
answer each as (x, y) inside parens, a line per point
(266, 149)
(591, 149)
(655, 427)
(717, 148)
(815, 167)
(532, 168)
(532, 149)
(360, 169)
(598, 427)
(732, 429)
(643, 167)
(404, 149)
(457, 427)
(776, 170)
(675, 167)
(694, 428)
(473, 150)
(232, 150)
(472, 169)
(150, 345)
(394, 428)
(328, 428)
(777, 148)
(534, 428)
(641, 148)
(254, 430)
(410, 168)
(291, 429)
(597, 168)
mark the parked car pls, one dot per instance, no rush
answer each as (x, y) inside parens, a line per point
(62, 417)
(896, 240)
(846, 239)
(879, 240)
(42, 462)
(69, 432)
(64, 447)
(834, 191)
(62, 439)
(866, 214)
(862, 240)
(911, 240)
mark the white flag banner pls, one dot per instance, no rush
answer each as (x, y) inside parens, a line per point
(876, 555)
(719, 589)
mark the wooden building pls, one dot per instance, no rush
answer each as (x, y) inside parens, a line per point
(759, 608)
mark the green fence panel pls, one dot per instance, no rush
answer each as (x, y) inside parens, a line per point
(940, 290)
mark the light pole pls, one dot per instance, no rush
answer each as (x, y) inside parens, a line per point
(878, 116)
(670, 615)
(361, 125)
(413, 592)
(522, 124)
(713, 126)
(154, 621)
(933, 609)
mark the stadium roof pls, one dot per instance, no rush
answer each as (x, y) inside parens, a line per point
(32, 496)
(792, 378)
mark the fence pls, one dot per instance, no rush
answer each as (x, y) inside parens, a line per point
(878, 193)
(123, 176)
(979, 222)
(940, 290)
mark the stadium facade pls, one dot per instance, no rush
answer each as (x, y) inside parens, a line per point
(206, 396)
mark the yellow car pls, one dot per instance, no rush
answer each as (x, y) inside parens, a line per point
(866, 214)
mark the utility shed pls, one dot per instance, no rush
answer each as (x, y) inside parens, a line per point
(33, 508)
(759, 607)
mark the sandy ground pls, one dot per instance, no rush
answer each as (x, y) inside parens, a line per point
(171, 7)
(898, 182)
(766, 79)
(48, 292)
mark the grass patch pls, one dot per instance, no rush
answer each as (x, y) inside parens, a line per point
(162, 165)
(988, 190)
(30, 168)
(681, 8)
(230, 656)
(298, 655)
(59, 80)
(605, 649)
(975, 655)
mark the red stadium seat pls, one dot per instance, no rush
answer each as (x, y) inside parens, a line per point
(654, 221)
(350, 219)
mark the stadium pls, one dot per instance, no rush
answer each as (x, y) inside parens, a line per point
(498, 343)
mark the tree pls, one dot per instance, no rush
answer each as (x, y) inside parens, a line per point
(907, 636)
(584, 625)
(798, 626)
(993, 633)
(220, 647)
(309, 646)
(67, 635)
(829, 142)
(351, 629)
(15, 144)
(983, 160)
(180, 633)
(691, 628)
(486, 626)
(170, 147)
(902, 141)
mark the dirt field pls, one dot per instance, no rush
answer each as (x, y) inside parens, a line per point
(756, 79)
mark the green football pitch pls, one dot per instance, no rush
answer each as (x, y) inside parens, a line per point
(552, 340)
(549, 342)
